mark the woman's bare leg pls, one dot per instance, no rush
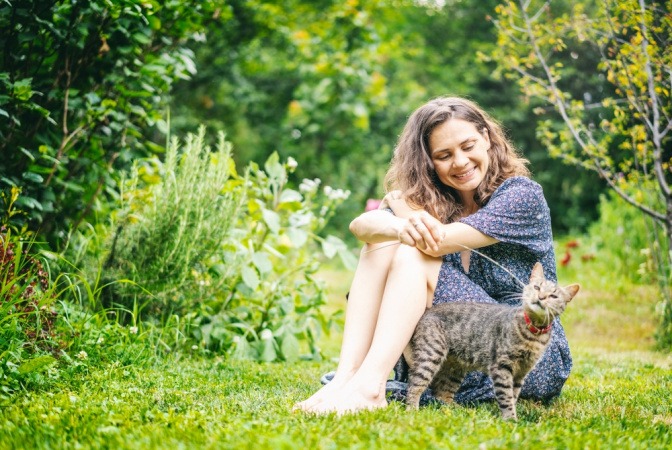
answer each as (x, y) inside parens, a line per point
(366, 293)
(408, 291)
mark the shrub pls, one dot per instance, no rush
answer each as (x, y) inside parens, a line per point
(29, 340)
(172, 220)
(81, 84)
(272, 300)
(225, 259)
(624, 246)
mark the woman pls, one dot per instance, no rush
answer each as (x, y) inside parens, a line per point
(456, 184)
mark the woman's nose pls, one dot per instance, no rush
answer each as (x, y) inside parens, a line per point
(460, 159)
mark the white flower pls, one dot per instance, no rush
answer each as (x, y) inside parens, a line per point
(266, 335)
(309, 185)
(336, 194)
(82, 355)
(133, 330)
(100, 340)
(291, 163)
(194, 347)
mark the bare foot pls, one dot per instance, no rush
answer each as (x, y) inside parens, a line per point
(352, 398)
(325, 393)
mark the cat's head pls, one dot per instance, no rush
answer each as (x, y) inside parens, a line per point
(544, 300)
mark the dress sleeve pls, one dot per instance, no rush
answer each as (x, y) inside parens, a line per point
(517, 213)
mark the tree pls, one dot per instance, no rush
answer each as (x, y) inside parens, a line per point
(81, 83)
(620, 130)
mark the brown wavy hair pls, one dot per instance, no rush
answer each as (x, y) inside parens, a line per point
(412, 170)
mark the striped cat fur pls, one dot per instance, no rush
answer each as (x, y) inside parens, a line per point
(502, 341)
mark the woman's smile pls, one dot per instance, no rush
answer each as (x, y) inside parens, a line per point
(460, 155)
(466, 175)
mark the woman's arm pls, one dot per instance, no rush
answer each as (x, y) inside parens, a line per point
(416, 228)
(377, 226)
(436, 239)
(381, 226)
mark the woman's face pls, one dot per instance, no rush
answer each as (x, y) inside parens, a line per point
(460, 155)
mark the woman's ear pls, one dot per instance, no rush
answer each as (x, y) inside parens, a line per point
(486, 135)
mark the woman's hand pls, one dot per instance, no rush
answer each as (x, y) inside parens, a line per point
(423, 232)
(396, 202)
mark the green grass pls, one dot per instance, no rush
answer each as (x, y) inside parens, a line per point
(618, 397)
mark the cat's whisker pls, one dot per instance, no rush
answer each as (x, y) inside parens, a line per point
(512, 296)
(553, 311)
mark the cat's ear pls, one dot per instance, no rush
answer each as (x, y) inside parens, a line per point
(571, 290)
(537, 272)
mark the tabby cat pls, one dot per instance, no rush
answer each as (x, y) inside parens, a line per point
(505, 342)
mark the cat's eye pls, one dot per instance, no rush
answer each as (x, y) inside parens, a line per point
(553, 296)
(537, 288)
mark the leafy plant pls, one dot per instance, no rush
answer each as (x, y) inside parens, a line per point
(226, 260)
(29, 339)
(270, 261)
(81, 83)
(172, 220)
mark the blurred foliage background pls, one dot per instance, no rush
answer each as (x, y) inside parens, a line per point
(89, 87)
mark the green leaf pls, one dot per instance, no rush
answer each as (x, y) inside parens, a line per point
(243, 350)
(348, 259)
(262, 262)
(272, 220)
(31, 176)
(273, 168)
(297, 236)
(329, 248)
(286, 305)
(250, 277)
(268, 352)
(290, 347)
(36, 364)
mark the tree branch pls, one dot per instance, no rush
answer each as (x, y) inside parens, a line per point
(562, 108)
(655, 105)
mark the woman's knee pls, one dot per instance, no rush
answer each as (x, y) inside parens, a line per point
(412, 259)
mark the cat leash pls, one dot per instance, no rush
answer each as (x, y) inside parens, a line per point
(459, 245)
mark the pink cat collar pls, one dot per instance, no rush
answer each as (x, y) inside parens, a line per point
(534, 329)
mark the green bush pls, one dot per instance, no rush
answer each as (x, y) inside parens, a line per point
(618, 246)
(29, 339)
(626, 235)
(269, 261)
(622, 248)
(224, 260)
(81, 86)
(172, 220)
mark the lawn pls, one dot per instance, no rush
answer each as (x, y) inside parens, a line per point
(618, 397)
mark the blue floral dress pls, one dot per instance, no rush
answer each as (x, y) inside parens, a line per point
(517, 215)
